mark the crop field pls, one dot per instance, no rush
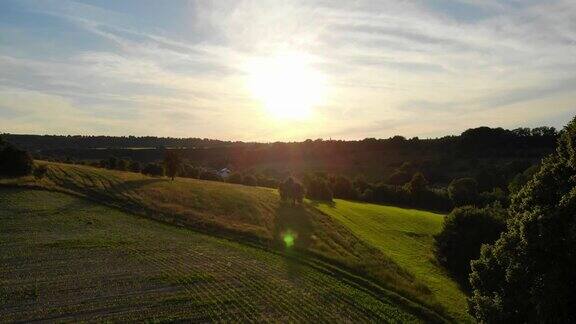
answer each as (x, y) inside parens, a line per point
(64, 258)
(406, 236)
(247, 214)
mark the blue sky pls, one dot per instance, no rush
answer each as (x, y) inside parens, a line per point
(183, 68)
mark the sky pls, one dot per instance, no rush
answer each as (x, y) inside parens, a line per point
(285, 70)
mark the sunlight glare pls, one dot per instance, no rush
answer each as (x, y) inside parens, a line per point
(286, 85)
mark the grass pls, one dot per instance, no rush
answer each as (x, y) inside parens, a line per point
(247, 214)
(406, 236)
(64, 259)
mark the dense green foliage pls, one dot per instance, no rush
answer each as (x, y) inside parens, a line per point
(67, 259)
(463, 191)
(464, 231)
(406, 236)
(528, 274)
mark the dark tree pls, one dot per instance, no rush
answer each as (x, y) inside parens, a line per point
(417, 185)
(463, 232)
(14, 162)
(527, 275)
(318, 188)
(342, 187)
(172, 163)
(291, 191)
(463, 191)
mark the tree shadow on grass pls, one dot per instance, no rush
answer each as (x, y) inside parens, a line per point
(293, 232)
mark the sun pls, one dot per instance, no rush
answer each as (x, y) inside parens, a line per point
(286, 85)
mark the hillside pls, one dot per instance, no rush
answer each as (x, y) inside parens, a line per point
(248, 214)
(66, 259)
(406, 236)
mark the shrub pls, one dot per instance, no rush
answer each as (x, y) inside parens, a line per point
(464, 231)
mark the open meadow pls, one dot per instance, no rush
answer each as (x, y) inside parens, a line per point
(406, 236)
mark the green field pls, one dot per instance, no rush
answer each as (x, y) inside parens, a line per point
(406, 236)
(247, 214)
(68, 259)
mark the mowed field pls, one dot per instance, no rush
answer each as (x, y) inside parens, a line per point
(250, 215)
(63, 258)
(406, 236)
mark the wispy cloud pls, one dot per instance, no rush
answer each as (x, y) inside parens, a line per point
(419, 68)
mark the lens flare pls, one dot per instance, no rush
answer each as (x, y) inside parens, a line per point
(289, 239)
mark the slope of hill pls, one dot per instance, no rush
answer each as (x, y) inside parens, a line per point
(406, 236)
(247, 214)
(66, 259)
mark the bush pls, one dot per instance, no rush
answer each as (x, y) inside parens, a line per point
(464, 231)
(14, 162)
(153, 169)
(527, 275)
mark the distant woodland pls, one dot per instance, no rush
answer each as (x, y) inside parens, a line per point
(492, 156)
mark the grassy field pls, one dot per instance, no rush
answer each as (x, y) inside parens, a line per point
(406, 236)
(64, 259)
(247, 214)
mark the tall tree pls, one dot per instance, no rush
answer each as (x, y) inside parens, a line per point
(528, 275)
(172, 162)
